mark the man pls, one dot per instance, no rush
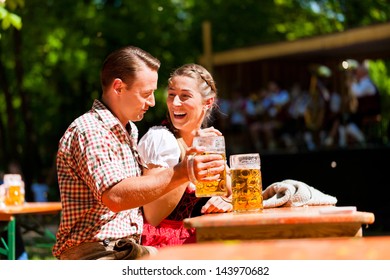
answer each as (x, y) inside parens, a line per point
(364, 89)
(100, 172)
(365, 103)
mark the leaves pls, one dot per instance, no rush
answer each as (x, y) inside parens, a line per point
(9, 19)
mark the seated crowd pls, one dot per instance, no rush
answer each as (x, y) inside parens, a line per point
(274, 118)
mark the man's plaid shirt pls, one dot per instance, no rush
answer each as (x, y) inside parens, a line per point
(95, 154)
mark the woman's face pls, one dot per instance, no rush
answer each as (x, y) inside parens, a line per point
(185, 104)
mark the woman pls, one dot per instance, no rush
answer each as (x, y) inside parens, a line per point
(191, 97)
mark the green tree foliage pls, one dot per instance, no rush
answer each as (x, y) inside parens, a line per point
(248, 22)
(7, 17)
(49, 66)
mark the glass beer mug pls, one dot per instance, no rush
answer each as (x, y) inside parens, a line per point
(246, 183)
(213, 145)
(14, 190)
(2, 196)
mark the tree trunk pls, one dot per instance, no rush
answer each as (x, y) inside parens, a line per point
(30, 158)
(8, 132)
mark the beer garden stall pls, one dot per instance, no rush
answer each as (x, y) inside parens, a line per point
(349, 174)
(288, 63)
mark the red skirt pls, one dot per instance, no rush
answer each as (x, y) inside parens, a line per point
(167, 233)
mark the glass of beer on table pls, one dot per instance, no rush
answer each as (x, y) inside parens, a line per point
(212, 145)
(14, 190)
(246, 183)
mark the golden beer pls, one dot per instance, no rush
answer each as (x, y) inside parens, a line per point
(213, 145)
(14, 196)
(212, 188)
(246, 183)
(247, 190)
(14, 190)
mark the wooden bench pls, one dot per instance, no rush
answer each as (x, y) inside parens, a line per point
(341, 248)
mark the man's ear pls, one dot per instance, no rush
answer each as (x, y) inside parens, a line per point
(117, 85)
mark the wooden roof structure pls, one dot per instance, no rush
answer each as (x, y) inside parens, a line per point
(288, 62)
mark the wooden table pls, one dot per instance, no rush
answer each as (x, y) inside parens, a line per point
(281, 223)
(339, 248)
(9, 213)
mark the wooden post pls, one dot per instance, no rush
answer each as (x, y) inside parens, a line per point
(207, 46)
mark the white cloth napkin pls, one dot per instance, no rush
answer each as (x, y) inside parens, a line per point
(294, 193)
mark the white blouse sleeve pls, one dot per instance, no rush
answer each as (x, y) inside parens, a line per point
(159, 147)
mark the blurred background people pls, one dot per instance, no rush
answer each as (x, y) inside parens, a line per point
(364, 103)
(294, 124)
(333, 117)
(242, 110)
(271, 112)
(316, 108)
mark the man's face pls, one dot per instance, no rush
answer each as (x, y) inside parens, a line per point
(134, 101)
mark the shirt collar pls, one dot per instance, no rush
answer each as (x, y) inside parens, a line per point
(105, 114)
(110, 120)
